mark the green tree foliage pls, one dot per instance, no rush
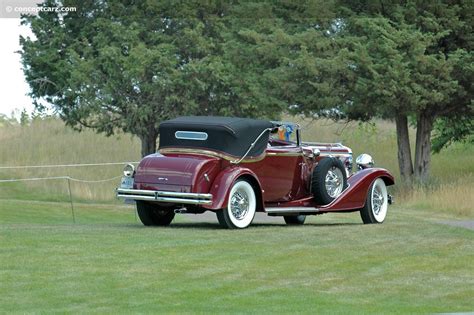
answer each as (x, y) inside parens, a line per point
(411, 59)
(391, 59)
(124, 65)
(127, 65)
(457, 128)
(295, 42)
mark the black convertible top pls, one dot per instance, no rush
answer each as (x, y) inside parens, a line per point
(230, 135)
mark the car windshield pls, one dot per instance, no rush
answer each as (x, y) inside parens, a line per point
(284, 135)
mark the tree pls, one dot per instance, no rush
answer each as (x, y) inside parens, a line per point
(411, 59)
(401, 60)
(294, 43)
(126, 66)
(457, 128)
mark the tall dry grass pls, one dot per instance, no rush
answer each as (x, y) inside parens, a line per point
(47, 142)
(50, 142)
(451, 187)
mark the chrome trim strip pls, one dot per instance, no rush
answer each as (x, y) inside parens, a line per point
(165, 196)
(290, 209)
(210, 153)
(335, 154)
(284, 153)
(301, 153)
(323, 144)
(125, 191)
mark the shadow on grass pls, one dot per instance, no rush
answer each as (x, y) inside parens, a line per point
(216, 226)
(174, 226)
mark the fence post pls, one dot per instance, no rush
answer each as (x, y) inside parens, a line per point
(70, 199)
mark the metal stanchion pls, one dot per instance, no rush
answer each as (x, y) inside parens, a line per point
(70, 199)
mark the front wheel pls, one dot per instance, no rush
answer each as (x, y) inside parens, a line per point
(241, 206)
(153, 215)
(376, 204)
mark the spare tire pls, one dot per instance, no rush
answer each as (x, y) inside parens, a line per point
(328, 180)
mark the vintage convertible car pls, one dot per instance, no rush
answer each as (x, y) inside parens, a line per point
(238, 166)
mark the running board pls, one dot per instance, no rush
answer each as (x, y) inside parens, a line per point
(283, 210)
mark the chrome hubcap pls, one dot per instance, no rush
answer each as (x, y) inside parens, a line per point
(377, 200)
(239, 204)
(334, 182)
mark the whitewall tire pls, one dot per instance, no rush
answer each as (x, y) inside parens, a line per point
(376, 204)
(241, 206)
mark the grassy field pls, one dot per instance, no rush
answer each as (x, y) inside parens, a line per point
(107, 262)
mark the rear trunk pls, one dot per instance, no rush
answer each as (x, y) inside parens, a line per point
(175, 172)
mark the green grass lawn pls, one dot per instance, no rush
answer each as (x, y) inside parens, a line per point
(108, 262)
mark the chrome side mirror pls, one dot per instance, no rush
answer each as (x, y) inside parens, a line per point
(364, 161)
(316, 152)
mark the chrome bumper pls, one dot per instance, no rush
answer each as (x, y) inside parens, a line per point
(165, 196)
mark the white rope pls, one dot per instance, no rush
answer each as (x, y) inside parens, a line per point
(31, 179)
(94, 181)
(65, 165)
(58, 177)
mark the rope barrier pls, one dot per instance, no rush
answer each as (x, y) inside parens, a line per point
(58, 177)
(31, 179)
(94, 181)
(69, 180)
(65, 165)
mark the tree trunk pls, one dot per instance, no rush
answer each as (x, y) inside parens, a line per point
(424, 126)
(404, 151)
(149, 143)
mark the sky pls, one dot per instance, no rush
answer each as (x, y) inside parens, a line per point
(13, 87)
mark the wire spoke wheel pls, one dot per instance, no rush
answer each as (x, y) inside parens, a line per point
(241, 206)
(329, 179)
(376, 205)
(334, 182)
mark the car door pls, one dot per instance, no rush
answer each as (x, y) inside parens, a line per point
(279, 171)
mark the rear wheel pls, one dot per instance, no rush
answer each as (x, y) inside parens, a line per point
(295, 219)
(328, 180)
(241, 206)
(153, 215)
(376, 204)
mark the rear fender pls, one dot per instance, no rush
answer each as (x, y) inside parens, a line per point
(355, 195)
(222, 184)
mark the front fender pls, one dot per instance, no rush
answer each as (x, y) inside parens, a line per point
(355, 195)
(224, 181)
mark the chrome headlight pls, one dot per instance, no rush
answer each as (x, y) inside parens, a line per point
(364, 161)
(128, 170)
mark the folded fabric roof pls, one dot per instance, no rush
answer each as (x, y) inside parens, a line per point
(229, 135)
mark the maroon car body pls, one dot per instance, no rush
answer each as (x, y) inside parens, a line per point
(194, 179)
